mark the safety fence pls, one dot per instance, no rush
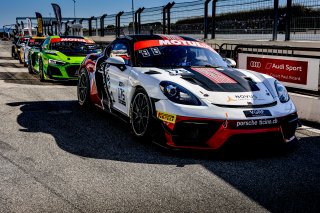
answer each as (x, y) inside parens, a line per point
(223, 19)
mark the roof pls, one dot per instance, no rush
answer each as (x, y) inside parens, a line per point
(142, 37)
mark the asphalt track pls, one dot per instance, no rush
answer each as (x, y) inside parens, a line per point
(58, 157)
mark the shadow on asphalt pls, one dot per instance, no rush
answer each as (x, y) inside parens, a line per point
(31, 79)
(280, 182)
(7, 58)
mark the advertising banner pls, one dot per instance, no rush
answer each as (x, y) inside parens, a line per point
(57, 12)
(40, 24)
(295, 72)
(22, 28)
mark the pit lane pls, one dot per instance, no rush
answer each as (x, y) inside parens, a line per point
(55, 156)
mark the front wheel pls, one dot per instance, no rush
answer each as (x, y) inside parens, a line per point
(83, 88)
(41, 73)
(140, 114)
(29, 64)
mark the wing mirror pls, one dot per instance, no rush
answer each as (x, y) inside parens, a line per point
(118, 62)
(230, 62)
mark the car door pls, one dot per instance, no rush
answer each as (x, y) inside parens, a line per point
(118, 79)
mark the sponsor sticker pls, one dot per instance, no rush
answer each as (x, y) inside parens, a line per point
(256, 113)
(257, 123)
(170, 118)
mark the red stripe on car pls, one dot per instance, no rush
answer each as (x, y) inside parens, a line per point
(215, 76)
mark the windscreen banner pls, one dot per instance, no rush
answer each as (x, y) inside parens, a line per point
(302, 73)
(40, 24)
(57, 12)
(22, 28)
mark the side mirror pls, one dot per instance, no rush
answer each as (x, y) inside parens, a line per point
(230, 62)
(117, 61)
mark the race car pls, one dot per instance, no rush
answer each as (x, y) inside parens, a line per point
(179, 92)
(33, 42)
(15, 49)
(60, 57)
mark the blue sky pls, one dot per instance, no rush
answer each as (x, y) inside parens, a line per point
(10, 9)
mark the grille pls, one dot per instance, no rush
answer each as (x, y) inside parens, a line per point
(72, 70)
(53, 71)
(194, 133)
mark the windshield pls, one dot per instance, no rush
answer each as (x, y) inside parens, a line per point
(75, 48)
(35, 42)
(23, 40)
(178, 56)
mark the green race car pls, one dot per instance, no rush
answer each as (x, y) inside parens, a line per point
(60, 57)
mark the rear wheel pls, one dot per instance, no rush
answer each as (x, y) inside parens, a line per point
(83, 88)
(140, 114)
(41, 73)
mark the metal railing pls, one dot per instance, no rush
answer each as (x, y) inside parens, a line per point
(237, 19)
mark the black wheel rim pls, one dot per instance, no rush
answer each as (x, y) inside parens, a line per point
(82, 88)
(140, 114)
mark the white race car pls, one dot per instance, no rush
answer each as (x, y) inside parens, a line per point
(180, 93)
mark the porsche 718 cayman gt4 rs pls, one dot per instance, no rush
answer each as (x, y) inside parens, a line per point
(179, 92)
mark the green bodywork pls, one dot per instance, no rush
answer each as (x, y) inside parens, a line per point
(55, 64)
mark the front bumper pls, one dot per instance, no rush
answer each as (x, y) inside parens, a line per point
(66, 72)
(196, 133)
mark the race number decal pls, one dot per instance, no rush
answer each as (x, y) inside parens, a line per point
(170, 118)
(145, 53)
(121, 94)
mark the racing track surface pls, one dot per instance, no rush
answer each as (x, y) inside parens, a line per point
(57, 157)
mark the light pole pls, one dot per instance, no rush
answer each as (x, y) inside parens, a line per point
(74, 8)
(132, 17)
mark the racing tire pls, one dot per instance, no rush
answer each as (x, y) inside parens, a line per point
(141, 115)
(29, 64)
(20, 60)
(83, 88)
(13, 54)
(41, 73)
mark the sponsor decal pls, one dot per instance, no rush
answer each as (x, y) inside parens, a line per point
(257, 113)
(242, 98)
(55, 40)
(257, 123)
(170, 118)
(291, 71)
(156, 43)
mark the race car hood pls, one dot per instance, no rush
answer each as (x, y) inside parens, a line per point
(221, 86)
(62, 57)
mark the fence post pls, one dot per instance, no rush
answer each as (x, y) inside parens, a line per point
(139, 19)
(206, 19)
(275, 19)
(169, 18)
(90, 25)
(288, 19)
(66, 28)
(164, 16)
(213, 19)
(118, 23)
(102, 24)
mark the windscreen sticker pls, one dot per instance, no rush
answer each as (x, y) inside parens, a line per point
(215, 76)
(156, 43)
(55, 40)
(145, 53)
(155, 51)
(171, 37)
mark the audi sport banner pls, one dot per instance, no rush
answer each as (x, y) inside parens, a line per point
(22, 28)
(57, 12)
(40, 24)
(29, 26)
(295, 72)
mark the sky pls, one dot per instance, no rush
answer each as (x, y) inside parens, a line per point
(10, 9)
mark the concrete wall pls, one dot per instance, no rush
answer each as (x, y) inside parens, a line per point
(308, 107)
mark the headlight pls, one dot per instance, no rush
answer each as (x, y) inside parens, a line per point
(178, 94)
(282, 92)
(56, 62)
